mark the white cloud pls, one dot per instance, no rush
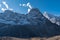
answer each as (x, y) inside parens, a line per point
(28, 10)
(24, 5)
(3, 9)
(30, 7)
(27, 5)
(6, 5)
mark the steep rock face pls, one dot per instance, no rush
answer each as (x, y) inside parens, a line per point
(52, 18)
(36, 17)
(34, 25)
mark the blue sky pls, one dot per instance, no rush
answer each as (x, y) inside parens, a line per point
(50, 6)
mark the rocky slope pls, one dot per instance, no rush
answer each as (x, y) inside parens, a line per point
(33, 24)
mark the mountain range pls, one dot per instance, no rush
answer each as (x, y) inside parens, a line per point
(33, 24)
(52, 18)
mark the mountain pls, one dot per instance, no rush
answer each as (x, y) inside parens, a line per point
(9, 17)
(33, 24)
(52, 18)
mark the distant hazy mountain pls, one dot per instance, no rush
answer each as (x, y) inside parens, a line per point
(33, 24)
(52, 18)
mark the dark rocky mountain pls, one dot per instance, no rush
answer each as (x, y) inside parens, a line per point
(33, 24)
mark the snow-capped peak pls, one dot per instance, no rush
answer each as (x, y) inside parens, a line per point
(52, 18)
(46, 15)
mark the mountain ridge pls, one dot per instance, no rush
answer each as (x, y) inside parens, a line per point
(34, 24)
(52, 18)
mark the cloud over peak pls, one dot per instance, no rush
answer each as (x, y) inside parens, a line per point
(27, 5)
